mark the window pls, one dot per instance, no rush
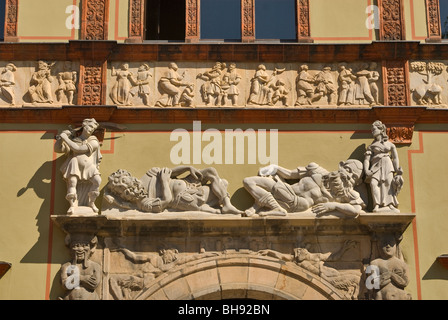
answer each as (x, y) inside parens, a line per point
(165, 20)
(221, 19)
(2, 19)
(444, 18)
(275, 19)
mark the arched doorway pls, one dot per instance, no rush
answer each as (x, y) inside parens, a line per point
(240, 276)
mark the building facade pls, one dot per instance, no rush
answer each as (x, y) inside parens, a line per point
(207, 149)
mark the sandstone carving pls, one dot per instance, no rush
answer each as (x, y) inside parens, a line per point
(81, 168)
(81, 276)
(383, 171)
(267, 89)
(40, 90)
(325, 86)
(230, 83)
(148, 266)
(7, 83)
(211, 90)
(317, 189)
(121, 91)
(316, 263)
(163, 189)
(172, 86)
(142, 83)
(67, 86)
(427, 93)
(305, 88)
(346, 85)
(392, 271)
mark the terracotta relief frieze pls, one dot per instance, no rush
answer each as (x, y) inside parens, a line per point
(91, 83)
(11, 15)
(95, 19)
(391, 20)
(396, 92)
(192, 21)
(433, 20)
(136, 20)
(248, 20)
(303, 21)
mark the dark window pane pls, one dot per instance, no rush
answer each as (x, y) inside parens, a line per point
(275, 19)
(444, 18)
(221, 19)
(2, 19)
(165, 20)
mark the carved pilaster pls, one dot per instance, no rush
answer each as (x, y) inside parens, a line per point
(192, 20)
(247, 20)
(92, 75)
(396, 84)
(11, 13)
(136, 21)
(303, 21)
(433, 21)
(95, 19)
(391, 20)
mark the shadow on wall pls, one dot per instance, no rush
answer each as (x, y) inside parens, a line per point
(41, 184)
(436, 272)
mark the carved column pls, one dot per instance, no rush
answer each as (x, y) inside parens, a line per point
(95, 19)
(136, 21)
(11, 13)
(303, 21)
(92, 83)
(396, 83)
(433, 21)
(192, 10)
(391, 20)
(247, 20)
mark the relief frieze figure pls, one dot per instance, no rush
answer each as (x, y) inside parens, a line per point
(428, 91)
(7, 84)
(172, 86)
(40, 90)
(66, 86)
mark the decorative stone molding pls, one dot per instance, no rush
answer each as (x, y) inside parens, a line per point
(400, 133)
(396, 88)
(433, 21)
(391, 15)
(303, 21)
(192, 33)
(136, 21)
(248, 20)
(11, 15)
(91, 83)
(94, 19)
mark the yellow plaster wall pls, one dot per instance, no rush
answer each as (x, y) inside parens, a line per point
(27, 237)
(415, 20)
(45, 20)
(340, 21)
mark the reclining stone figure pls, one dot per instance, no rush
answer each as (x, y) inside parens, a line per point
(316, 189)
(162, 188)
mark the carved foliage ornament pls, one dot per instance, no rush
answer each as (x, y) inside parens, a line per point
(396, 84)
(433, 17)
(11, 18)
(91, 83)
(94, 19)
(391, 17)
(192, 28)
(136, 18)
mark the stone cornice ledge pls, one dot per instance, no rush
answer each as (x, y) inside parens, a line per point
(196, 223)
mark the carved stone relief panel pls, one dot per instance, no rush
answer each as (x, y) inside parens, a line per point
(429, 83)
(38, 83)
(228, 84)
